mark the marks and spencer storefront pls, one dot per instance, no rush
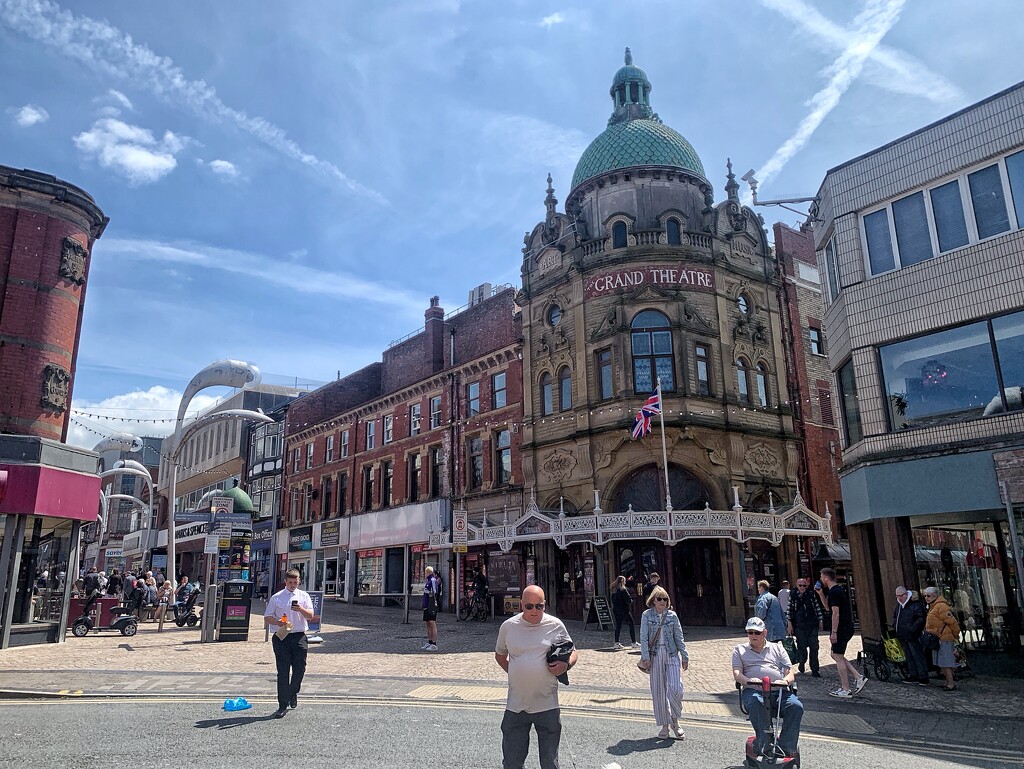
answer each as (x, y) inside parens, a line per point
(47, 491)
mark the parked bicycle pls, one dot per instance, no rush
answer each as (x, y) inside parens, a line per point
(474, 604)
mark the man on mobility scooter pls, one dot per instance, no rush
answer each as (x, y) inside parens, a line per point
(754, 662)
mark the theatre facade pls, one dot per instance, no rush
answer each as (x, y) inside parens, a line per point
(644, 278)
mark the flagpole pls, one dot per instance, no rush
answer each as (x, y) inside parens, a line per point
(664, 453)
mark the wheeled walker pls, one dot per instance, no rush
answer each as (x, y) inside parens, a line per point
(771, 753)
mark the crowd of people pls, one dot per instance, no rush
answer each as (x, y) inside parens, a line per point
(147, 594)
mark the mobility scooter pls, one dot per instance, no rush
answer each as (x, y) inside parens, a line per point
(771, 755)
(121, 619)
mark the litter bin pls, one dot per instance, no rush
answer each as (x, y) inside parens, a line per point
(235, 608)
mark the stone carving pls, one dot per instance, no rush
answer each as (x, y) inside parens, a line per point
(763, 460)
(714, 448)
(72, 260)
(604, 450)
(559, 465)
(692, 314)
(56, 384)
(609, 324)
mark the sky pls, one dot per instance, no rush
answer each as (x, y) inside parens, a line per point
(289, 183)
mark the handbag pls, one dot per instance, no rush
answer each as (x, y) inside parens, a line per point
(789, 644)
(929, 641)
(644, 666)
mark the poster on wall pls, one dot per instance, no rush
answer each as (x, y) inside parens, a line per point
(503, 574)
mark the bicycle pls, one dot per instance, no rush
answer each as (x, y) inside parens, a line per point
(474, 606)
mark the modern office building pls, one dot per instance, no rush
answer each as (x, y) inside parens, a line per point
(921, 249)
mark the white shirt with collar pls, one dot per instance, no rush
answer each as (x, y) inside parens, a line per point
(280, 603)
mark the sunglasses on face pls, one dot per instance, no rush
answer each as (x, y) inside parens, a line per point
(661, 599)
(532, 606)
(753, 632)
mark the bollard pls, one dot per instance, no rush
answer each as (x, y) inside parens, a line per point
(209, 618)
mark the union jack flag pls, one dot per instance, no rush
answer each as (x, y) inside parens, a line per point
(651, 409)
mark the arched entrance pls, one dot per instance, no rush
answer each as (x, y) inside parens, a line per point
(692, 570)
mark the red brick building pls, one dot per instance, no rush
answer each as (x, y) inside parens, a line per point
(375, 461)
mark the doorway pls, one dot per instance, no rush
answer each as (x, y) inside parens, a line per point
(697, 571)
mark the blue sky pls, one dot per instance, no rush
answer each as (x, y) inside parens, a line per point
(289, 183)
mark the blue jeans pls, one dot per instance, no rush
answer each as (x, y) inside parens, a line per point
(792, 713)
(515, 738)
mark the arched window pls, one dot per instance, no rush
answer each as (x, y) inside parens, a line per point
(547, 395)
(742, 386)
(761, 380)
(619, 235)
(564, 389)
(652, 352)
(674, 235)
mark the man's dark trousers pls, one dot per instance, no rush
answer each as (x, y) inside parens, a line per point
(515, 738)
(290, 655)
(807, 645)
(916, 665)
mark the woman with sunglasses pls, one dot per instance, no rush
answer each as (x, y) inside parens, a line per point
(663, 648)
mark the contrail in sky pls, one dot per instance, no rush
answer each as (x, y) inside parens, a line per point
(110, 51)
(869, 27)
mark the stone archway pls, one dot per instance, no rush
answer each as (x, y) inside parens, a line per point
(644, 489)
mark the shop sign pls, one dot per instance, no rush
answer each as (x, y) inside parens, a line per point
(418, 548)
(190, 531)
(262, 535)
(114, 552)
(672, 276)
(503, 573)
(330, 533)
(375, 553)
(300, 538)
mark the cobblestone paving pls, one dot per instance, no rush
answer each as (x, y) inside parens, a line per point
(362, 643)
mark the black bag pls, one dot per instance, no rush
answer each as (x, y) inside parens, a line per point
(929, 641)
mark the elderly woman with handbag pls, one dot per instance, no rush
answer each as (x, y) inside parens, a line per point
(941, 623)
(663, 650)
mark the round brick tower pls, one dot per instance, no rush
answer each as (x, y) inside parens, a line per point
(47, 230)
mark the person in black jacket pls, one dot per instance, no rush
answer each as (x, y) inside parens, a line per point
(114, 583)
(908, 618)
(804, 621)
(621, 600)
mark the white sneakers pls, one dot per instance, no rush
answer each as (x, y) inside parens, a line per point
(617, 646)
(428, 647)
(636, 644)
(859, 684)
(841, 693)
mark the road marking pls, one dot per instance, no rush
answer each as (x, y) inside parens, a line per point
(70, 693)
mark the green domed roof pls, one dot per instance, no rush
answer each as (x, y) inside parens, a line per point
(635, 135)
(243, 503)
(641, 142)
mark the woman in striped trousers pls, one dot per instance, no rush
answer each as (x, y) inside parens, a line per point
(661, 643)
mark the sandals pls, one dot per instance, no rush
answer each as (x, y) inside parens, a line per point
(950, 688)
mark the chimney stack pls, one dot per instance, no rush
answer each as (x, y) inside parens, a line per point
(434, 329)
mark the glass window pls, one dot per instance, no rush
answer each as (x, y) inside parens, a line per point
(389, 428)
(848, 401)
(948, 212)
(37, 592)
(817, 348)
(619, 235)
(367, 487)
(1009, 335)
(473, 398)
(344, 443)
(564, 389)
(387, 477)
(435, 412)
(498, 392)
(880, 255)
(742, 389)
(371, 435)
(990, 212)
(414, 419)
(703, 378)
(743, 304)
(1015, 170)
(948, 376)
(832, 268)
(370, 572)
(476, 463)
(435, 471)
(342, 493)
(415, 464)
(652, 352)
(761, 378)
(604, 373)
(502, 457)
(325, 494)
(554, 315)
(296, 460)
(674, 236)
(329, 457)
(912, 235)
(547, 396)
(310, 448)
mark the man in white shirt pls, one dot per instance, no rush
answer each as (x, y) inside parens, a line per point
(522, 650)
(296, 608)
(783, 597)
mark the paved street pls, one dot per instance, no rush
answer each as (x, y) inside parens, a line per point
(368, 653)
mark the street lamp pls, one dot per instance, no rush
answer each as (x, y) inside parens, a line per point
(223, 373)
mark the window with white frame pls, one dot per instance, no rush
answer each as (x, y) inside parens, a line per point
(414, 419)
(498, 392)
(296, 459)
(344, 443)
(977, 204)
(389, 428)
(310, 447)
(371, 435)
(329, 457)
(435, 412)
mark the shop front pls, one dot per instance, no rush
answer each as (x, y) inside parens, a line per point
(261, 566)
(331, 560)
(47, 491)
(300, 555)
(189, 541)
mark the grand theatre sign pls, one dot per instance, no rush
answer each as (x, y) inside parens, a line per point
(672, 276)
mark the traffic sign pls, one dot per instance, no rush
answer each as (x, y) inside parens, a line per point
(460, 529)
(460, 548)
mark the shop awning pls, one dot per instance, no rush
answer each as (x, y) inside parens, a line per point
(833, 552)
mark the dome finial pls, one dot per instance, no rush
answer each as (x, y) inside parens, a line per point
(629, 56)
(549, 203)
(731, 187)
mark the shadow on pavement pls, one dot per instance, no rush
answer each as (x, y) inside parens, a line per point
(230, 722)
(627, 747)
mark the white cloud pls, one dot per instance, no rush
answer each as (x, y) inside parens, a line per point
(130, 150)
(869, 27)
(552, 20)
(29, 115)
(110, 51)
(120, 98)
(141, 412)
(224, 168)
